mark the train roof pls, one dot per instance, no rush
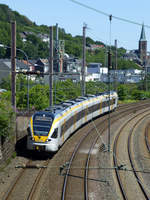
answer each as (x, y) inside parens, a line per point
(58, 108)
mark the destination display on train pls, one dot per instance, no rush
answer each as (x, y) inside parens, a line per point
(43, 118)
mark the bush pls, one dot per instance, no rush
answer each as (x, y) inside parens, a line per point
(39, 97)
(6, 118)
(122, 92)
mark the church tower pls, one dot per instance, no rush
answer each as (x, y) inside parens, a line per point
(143, 46)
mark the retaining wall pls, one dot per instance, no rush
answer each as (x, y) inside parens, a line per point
(7, 145)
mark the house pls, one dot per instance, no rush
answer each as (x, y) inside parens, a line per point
(94, 67)
(71, 64)
(75, 77)
(43, 37)
(93, 47)
(21, 65)
(41, 65)
(5, 68)
(23, 36)
(126, 76)
(95, 72)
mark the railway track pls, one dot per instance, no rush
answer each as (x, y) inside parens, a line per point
(119, 167)
(79, 169)
(147, 137)
(87, 158)
(84, 169)
(26, 183)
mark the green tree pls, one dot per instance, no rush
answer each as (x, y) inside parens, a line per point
(5, 83)
(6, 117)
(66, 90)
(95, 87)
(137, 94)
(123, 92)
(39, 98)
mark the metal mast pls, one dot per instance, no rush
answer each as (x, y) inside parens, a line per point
(84, 61)
(51, 68)
(57, 49)
(109, 68)
(115, 75)
(13, 65)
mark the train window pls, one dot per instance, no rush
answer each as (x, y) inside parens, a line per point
(64, 128)
(90, 109)
(43, 117)
(80, 115)
(55, 134)
(70, 122)
(42, 124)
(96, 107)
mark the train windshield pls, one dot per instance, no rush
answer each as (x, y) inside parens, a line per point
(42, 124)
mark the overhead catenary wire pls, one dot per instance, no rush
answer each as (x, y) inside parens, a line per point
(106, 14)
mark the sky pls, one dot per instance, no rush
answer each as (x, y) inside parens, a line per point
(71, 16)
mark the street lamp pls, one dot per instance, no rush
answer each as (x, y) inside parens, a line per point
(5, 46)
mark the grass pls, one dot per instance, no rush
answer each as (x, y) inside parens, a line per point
(127, 101)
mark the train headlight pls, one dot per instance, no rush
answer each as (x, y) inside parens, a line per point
(48, 140)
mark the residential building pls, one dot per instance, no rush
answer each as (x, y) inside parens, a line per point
(5, 68)
(94, 47)
(21, 65)
(95, 72)
(132, 55)
(126, 76)
(41, 65)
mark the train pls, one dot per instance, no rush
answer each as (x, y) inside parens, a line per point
(50, 128)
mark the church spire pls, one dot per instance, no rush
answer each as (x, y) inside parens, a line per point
(143, 46)
(143, 37)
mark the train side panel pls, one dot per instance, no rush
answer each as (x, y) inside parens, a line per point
(68, 120)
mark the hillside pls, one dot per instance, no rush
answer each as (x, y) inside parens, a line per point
(30, 39)
(7, 15)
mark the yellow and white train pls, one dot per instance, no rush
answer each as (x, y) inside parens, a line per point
(49, 129)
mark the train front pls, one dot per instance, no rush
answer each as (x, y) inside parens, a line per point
(39, 131)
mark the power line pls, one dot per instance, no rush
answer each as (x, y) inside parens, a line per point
(86, 6)
(106, 14)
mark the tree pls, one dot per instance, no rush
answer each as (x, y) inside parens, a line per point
(123, 92)
(39, 97)
(95, 87)
(6, 117)
(5, 83)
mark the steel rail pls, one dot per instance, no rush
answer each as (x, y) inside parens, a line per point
(116, 164)
(147, 142)
(11, 188)
(36, 182)
(7, 195)
(76, 149)
(87, 168)
(130, 158)
(70, 162)
(115, 158)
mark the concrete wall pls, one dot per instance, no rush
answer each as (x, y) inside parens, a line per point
(21, 126)
(6, 149)
(7, 145)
